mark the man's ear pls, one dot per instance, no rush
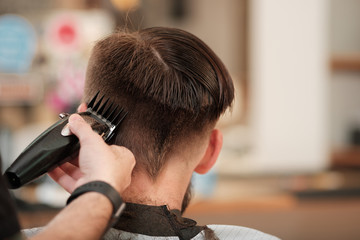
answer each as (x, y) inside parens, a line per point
(82, 107)
(212, 152)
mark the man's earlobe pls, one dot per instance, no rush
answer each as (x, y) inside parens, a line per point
(82, 107)
(212, 152)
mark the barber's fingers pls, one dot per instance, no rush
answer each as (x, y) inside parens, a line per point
(71, 170)
(63, 179)
(82, 107)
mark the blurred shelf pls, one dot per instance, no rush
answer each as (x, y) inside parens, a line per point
(348, 157)
(350, 62)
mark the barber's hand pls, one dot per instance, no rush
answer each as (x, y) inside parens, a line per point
(97, 161)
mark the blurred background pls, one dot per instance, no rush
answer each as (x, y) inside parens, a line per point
(291, 156)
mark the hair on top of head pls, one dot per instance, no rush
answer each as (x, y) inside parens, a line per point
(171, 83)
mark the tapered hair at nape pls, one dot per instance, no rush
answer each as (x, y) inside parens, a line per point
(171, 83)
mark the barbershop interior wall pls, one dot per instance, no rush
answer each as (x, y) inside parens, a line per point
(302, 109)
(289, 85)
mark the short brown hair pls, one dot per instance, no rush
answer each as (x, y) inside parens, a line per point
(169, 81)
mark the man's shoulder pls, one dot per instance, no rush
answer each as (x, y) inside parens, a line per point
(224, 232)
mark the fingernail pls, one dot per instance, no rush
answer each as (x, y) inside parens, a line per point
(66, 131)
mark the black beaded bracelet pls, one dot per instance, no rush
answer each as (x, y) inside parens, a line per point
(105, 189)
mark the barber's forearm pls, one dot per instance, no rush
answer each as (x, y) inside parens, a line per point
(86, 217)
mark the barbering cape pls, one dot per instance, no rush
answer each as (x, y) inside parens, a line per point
(144, 222)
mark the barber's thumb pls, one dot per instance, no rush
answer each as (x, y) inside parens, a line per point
(78, 126)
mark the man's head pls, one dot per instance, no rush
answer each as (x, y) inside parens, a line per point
(172, 84)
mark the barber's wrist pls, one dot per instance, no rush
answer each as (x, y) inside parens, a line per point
(103, 188)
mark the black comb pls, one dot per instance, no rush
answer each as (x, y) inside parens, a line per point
(56, 144)
(106, 114)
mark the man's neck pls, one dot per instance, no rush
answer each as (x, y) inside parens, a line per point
(168, 189)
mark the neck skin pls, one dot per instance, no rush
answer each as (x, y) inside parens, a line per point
(171, 184)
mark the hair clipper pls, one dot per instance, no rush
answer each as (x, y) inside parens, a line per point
(52, 147)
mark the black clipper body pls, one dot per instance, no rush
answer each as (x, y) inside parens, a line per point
(56, 144)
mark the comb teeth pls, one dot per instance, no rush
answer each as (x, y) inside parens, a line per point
(97, 105)
(92, 101)
(102, 108)
(115, 119)
(112, 115)
(108, 111)
(122, 116)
